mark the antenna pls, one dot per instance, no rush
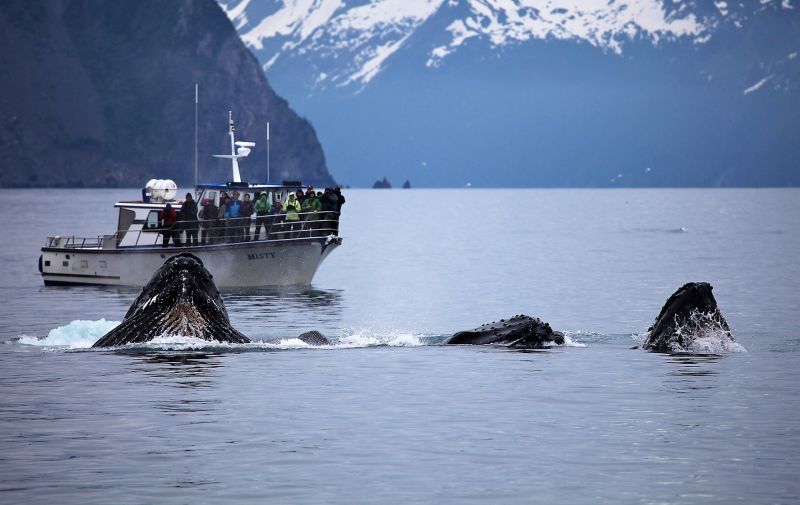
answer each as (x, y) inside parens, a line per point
(196, 101)
(267, 152)
(243, 150)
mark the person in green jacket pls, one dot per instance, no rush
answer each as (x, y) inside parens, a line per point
(292, 218)
(311, 207)
(263, 209)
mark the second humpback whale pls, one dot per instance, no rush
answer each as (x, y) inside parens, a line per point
(180, 299)
(690, 313)
(519, 332)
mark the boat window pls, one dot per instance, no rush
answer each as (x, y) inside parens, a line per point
(126, 217)
(151, 223)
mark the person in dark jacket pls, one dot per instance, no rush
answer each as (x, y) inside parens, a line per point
(169, 220)
(245, 211)
(222, 219)
(330, 203)
(209, 215)
(188, 218)
(276, 216)
(339, 203)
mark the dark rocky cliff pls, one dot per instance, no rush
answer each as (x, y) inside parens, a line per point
(97, 93)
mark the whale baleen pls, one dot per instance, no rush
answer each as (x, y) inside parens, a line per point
(180, 299)
(690, 313)
(519, 332)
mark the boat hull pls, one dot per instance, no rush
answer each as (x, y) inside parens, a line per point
(244, 264)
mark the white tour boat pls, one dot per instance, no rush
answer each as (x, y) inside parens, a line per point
(287, 253)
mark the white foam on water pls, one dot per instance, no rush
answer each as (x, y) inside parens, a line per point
(78, 334)
(368, 337)
(704, 333)
(715, 345)
(569, 342)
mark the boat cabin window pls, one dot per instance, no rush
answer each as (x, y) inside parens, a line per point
(126, 218)
(151, 223)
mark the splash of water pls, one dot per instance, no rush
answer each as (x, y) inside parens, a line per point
(702, 333)
(78, 334)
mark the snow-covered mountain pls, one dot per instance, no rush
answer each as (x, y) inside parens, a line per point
(410, 88)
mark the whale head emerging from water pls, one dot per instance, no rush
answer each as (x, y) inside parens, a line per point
(689, 314)
(518, 332)
(180, 299)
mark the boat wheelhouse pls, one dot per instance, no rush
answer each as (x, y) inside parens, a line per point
(285, 251)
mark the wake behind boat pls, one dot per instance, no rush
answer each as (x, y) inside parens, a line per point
(283, 247)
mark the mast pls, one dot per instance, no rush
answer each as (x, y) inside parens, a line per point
(239, 149)
(267, 152)
(234, 161)
(196, 101)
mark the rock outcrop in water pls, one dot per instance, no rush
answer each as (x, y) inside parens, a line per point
(689, 314)
(519, 332)
(384, 184)
(97, 93)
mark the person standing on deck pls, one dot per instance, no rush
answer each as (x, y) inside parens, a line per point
(292, 218)
(311, 207)
(330, 202)
(188, 217)
(222, 219)
(245, 211)
(232, 229)
(339, 204)
(208, 221)
(276, 221)
(262, 208)
(169, 220)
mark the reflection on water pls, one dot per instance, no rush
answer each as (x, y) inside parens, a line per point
(273, 297)
(284, 311)
(694, 364)
(694, 373)
(182, 369)
(192, 373)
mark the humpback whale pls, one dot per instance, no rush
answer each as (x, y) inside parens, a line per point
(690, 313)
(180, 299)
(314, 337)
(519, 332)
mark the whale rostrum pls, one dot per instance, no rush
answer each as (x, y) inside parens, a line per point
(690, 313)
(180, 299)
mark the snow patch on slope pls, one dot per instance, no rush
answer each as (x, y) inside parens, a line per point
(352, 44)
(602, 24)
(757, 86)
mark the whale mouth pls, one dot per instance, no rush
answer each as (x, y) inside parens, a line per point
(184, 320)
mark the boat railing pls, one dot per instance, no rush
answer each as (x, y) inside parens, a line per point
(73, 242)
(215, 231)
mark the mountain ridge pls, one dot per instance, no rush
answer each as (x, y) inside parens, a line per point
(699, 93)
(102, 94)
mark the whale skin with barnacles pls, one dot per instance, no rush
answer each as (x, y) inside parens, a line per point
(519, 332)
(180, 299)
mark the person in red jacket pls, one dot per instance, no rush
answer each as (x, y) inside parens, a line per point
(169, 218)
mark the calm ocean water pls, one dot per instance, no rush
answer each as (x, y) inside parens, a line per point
(387, 416)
